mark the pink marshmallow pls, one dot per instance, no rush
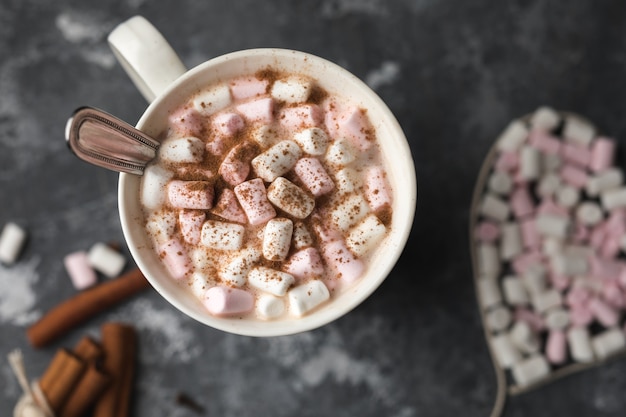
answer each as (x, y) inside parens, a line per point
(556, 347)
(613, 295)
(191, 225)
(236, 166)
(186, 121)
(252, 197)
(247, 87)
(80, 271)
(377, 191)
(225, 301)
(227, 124)
(616, 223)
(258, 110)
(228, 208)
(313, 175)
(580, 316)
(576, 154)
(305, 263)
(610, 248)
(355, 126)
(530, 236)
(521, 202)
(598, 235)
(217, 145)
(549, 207)
(604, 313)
(301, 117)
(578, 297)
(602, 154)
(487, 232)
(174, 256)
(507, 161)
(190, 194)
(574, 176)
(559, 281)
(522, 262)
(534, 320)
(544, 141)
(606, 269)
(343, 262)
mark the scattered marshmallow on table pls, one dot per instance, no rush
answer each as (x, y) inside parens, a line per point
(107, 260)
(79, 269)
(12, 241)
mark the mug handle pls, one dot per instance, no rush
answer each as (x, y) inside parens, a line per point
(146, 56)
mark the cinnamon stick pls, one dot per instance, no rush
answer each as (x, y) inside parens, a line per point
(119, 342)
(88, 350)
(90, 387)
(60, 379)
(84, 306)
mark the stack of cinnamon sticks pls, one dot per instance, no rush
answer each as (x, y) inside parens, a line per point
(93, 376)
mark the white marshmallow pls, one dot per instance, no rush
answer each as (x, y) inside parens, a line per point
(488, 260)
(569, 264)
(608, 342)
(270, 280)
(294, 89)
(277, 239)
(306, 297)
(513, 136)
(498, 318)
(222, 235)
(500, 183)
(182, 150)
(340, 152)
(567, 196)
(236, 271)
(545, 118)
(277, 160)
(488, 292)
(504, 351)
(589, 213)
(199, 284)
(312, 140)
(551, 162)
(265, 136)
(551, 246)
(530, 163)
(301, 236)
(105, 259)
(347, 180)
(366, 235)
(578, 131)
(11, 242)
(269, 307)
(530, 370)
(349, 212)
(510, 241)
(552, 225)
(534, 278)
(290, 198)
(548, 185)
(612, 199)
(546, 300)
(494, 208)
(514, 291)
(557, 319)
(604, 181)
(212, 100)
(160, 226)
(579, 343)
(153, 183)
(523, 337)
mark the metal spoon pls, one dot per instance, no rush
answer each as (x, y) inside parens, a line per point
(106, 141)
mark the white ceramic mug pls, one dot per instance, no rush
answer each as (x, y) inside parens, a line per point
(160, 76)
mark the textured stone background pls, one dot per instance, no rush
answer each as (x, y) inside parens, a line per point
(453, 71)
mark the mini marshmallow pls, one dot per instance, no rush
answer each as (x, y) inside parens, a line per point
(305, 263)
(574, 176)
(314, 176)
(313, 140)
(270, 280)
(580, 344)
(301, 236)
(511, 241)
(236, 271)
(488, 260)
(155, 179)
(221, 235)
(604, 313)
(340, 152)
(291, 90)
(258, 110)
(225, 301)
(530, 236)
(306, 297)
(79, 269)
(347, 180)
(552, 246)
(575, 154)
(578, 131)
(487, 231)
(253, 199)
(488, 292)
(236, 166)
(12, 241)
(548, 185)
(190, 222)
(557, 319)
(531, 370)
(186, 121)
(301, 117)
(505, 353)
(514, 291)
(366, 235)
(569, 264)
(556, 347)
(351, 210)
(227, 123)
(277, 160)
(494, 208)
(608, 342)
(551, 162)
(105, 259)
(498, 319)
(269, 307)
(277, 239)
(247, 87)
(190, 194)
(604, 181)
(290, 198)
(521, 202)
(182, 150)
(546, 300)
(500, 183)
(589, 213)
(602, 154)
(348, 267)
(545, 118)
(265, 136)
(175, 258)
(530, 163)
(213, 100)
(523, 337)
(513, 136)
(355, 126)
(531, 318)
(544, 142)
(228, 207)
(613, 199)
(199, 284)
(551, 225)
(507, 161)
(567, 196)
(160, 226)
(534, 278)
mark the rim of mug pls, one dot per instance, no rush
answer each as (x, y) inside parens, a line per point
(140, 246)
